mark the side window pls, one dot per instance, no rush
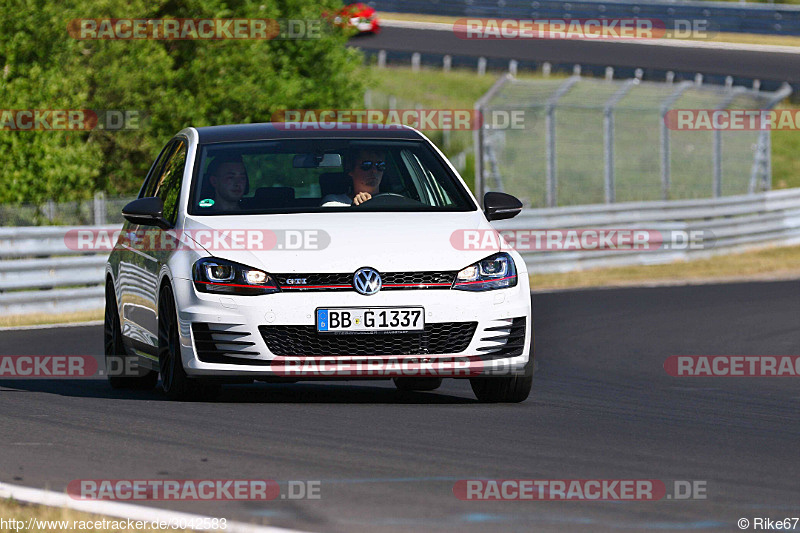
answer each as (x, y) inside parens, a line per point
(155, 171)
(170, 181)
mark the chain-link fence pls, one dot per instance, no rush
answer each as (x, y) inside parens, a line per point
(99, 210)
(591, 141)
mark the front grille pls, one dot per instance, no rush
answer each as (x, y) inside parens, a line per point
(315, 281)
(511, 335)
(436, 338)
(221, 343)
(418, 278)
(344, 281)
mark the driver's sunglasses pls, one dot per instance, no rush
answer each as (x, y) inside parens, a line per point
(380, 166)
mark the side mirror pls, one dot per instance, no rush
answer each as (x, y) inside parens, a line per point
(146, 212)
(499, 206)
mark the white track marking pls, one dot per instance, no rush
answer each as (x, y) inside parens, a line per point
(121, 510)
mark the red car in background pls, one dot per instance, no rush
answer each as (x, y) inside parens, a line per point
(359, 16)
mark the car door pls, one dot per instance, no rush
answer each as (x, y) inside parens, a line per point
(139, 265)
(168, 189)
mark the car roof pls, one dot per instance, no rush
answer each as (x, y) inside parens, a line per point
(303, 130)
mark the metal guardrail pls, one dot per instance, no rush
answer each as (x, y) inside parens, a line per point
(779, 19)
(40, 274)
(727, 224)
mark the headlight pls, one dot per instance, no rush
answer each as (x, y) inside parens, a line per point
(226, 277)
(495, 272)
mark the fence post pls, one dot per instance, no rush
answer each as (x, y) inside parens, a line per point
(664, 137)
(762, 163)
(99, 208)
(447, 63)
(481, 66)
(416, 59)
(382, 59)
(716, 188)
(608, 138)
(512, 67)
(550, 139)
(478, 135)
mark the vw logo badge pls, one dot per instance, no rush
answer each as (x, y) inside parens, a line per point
(367, 281)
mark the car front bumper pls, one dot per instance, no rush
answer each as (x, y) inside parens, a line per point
(207, 321)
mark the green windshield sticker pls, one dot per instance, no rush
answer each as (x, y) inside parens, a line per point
(208, 202)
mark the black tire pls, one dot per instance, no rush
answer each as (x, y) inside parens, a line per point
(512, 389)
(176, 384)
(417, 384)
(116, 358)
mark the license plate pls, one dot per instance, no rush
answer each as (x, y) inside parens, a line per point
(370, 319)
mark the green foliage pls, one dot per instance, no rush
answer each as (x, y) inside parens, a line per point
(173, 83)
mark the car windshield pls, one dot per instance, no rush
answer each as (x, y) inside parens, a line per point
(321, 175)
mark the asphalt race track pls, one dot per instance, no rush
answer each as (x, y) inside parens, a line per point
(738, 63)
(602, 407)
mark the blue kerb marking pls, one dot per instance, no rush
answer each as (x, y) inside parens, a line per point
(703, 524)
(484, 517)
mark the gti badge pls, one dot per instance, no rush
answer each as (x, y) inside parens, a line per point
(367, 281)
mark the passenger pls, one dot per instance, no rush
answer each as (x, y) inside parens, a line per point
(365, 168)
(228, 176)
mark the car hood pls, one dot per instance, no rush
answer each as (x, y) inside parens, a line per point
(388, 242)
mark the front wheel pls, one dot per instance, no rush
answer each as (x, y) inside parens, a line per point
(176, 384)
(508, 390)
(512, 389)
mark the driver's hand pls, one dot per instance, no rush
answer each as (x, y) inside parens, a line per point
(361, 197)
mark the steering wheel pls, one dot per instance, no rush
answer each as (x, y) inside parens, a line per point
(384, 194)
(390, 199)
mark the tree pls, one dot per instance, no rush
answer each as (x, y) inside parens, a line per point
(174, 83)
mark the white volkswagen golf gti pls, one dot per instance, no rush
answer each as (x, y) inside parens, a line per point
(277, 253)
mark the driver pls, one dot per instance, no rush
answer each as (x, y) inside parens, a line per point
(365, 167)
(228, 177)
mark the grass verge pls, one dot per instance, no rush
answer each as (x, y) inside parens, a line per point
(38, 319)
(60, 519)
(770, 263)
